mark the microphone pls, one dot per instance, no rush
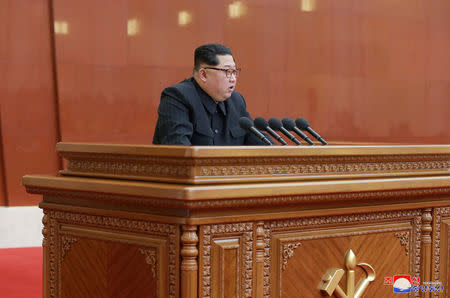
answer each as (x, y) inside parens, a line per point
(275, 124)
(262, 124)
(247, 124)
(304, 125)
(290, 125)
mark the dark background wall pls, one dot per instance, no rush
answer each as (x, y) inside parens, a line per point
(358, 70)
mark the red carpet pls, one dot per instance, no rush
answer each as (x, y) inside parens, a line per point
(21, 272)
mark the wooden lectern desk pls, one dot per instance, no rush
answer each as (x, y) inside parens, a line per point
(176, 221)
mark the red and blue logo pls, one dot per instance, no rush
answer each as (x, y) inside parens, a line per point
(402, 284)
(408, 284)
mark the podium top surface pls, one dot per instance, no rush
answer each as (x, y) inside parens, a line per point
(248, 164)
(246, 151)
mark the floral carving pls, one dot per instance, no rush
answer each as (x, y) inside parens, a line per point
(51, 225)
(417, 227)
(66, 245)
(287, 252)
(150, 259)
(45, 232)
(404, 240)
(131, 168)
(153, 166)
(301, 168)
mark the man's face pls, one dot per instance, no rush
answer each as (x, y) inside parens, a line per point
(216, 83)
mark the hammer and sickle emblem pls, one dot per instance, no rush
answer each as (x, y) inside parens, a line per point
(329, 284)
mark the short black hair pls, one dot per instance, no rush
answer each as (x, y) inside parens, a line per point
(207, 54)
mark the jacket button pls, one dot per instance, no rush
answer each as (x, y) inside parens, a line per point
(216, 131)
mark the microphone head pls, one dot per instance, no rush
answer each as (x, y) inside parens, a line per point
(288, 123)
(261, 123)
(275, 123)
(245, 123)
(302, 123)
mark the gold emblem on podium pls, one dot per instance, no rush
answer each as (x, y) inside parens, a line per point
(329, 284)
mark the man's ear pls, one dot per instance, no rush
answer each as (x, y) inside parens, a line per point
(202, 74)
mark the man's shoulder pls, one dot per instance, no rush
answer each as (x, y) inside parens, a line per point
(186, 84)
(183, 90)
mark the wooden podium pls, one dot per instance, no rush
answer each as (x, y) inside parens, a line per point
(175, 221)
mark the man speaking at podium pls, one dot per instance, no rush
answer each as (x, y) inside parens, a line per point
(205, 109)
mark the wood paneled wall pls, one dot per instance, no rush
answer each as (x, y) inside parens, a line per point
(358, 70)
(28, 117)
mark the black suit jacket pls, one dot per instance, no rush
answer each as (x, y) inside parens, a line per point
(184, 118)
